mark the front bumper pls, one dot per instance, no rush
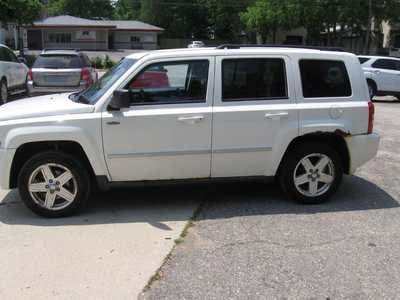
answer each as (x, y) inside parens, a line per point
(362, 148)
(34, 89)
(6, 158)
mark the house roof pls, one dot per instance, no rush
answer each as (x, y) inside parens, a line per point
(75, 22)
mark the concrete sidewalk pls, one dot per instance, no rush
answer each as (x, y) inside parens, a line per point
(109, 252)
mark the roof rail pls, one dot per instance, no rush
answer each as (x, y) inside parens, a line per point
(54, 49)
(239, 46)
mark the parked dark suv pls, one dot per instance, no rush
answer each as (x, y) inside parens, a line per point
(61, 71)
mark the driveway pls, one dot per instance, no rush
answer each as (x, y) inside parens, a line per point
(249, 242)
(109, 252)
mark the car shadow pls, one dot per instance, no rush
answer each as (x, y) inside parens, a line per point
(159, 205)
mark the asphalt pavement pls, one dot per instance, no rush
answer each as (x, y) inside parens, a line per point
(249, 242)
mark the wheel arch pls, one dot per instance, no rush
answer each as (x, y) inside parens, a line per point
(28, 150)
(335, 139)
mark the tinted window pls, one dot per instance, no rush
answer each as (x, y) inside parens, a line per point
(171, 82)
(3, 56)
(7, 55)
(86, 61)
(388, 64)
(324, 78)
(253, 79)
(363, 59)
(57, 61)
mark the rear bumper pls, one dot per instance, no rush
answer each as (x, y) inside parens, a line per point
(6, 158)
(362, 148)
(33, 89)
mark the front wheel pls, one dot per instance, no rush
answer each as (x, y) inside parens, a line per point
(54, 184)
(311, 173)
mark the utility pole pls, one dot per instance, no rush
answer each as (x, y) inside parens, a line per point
(368, 35)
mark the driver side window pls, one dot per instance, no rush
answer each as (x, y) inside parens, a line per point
(170, 82)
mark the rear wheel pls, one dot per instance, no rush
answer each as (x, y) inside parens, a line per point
(311, 173)
(3, 92)
(54, 184)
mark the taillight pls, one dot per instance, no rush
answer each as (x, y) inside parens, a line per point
(86, 76)
(30, 75)
(371, 116)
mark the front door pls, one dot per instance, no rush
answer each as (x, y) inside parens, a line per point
(254, 114)
(166, 133)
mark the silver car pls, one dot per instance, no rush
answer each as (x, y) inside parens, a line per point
(61, 71)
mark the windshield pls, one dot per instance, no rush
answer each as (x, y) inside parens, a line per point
(94, 93)
(57, 61)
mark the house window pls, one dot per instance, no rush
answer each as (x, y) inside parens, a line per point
(60, 38)
(135, 39)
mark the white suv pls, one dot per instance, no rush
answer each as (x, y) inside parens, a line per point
(13, 74)
(383, 75)
(301, 115)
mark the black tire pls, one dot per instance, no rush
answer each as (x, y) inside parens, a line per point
(293, 159)
(3, 84)
(79, 172)
(372, 89)
(27, 92)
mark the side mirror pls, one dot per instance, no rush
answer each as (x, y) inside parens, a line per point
(22, 60)
(121, 99)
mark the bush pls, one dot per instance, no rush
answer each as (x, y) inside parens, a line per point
(102, 63)
(97, 62)
(108, 63)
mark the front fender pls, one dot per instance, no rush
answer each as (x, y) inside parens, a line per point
(17, 137)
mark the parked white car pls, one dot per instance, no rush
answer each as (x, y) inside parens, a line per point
(196, 44)
(13, 74)
(301, 115)
(383, 75)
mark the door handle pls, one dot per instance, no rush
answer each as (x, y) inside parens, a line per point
(377, 72)
(276, 116)
(191, 120)
(113, 123)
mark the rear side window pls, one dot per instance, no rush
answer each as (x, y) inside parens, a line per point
(387, 64)
(253, 79)
(324, 78)
(57, 61)
(363, 59)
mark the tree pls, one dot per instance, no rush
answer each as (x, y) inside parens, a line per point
(84, 9)
(126, 10)
(267, 16)
(224, 17)
(20, 12)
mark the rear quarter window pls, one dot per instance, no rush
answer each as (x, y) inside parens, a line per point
(363, 59)
(58, 61)
(324, 79)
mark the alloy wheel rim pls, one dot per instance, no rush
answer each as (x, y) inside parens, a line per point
(53, 186)
(314, 175)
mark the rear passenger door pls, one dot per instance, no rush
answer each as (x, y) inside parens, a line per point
(388, 74)
(254, 115)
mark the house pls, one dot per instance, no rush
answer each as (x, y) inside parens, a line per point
(68, 32)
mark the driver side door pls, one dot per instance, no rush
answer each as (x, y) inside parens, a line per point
(166, 132)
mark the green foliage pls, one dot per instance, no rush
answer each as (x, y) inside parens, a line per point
(80, 8)
(20, 11)
(97, 62)
(126, 10)
(102, 63)
(108, 63)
